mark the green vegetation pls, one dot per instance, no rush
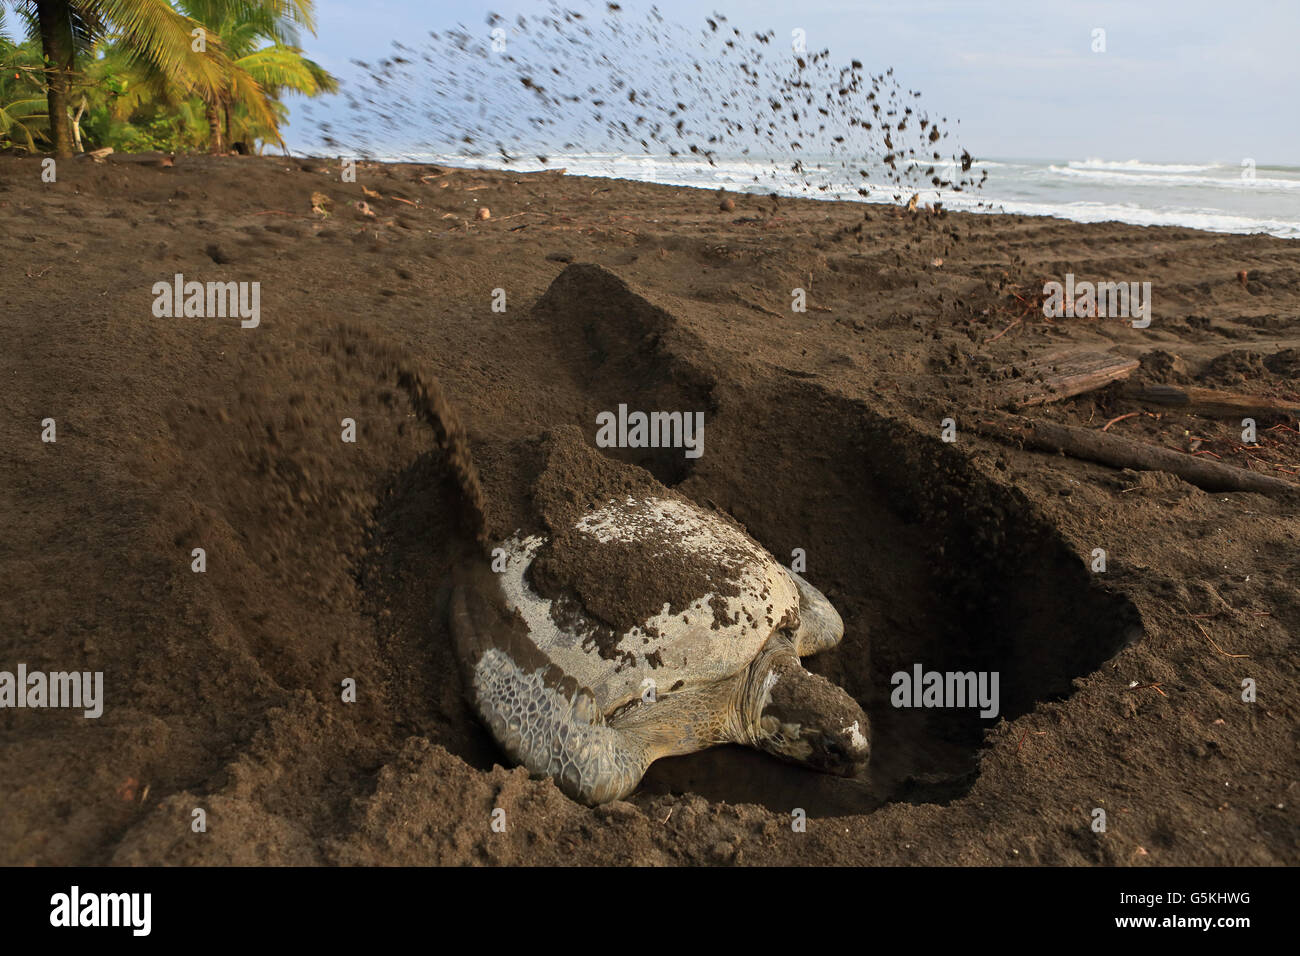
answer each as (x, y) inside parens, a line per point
(22, 93)
(152, 74)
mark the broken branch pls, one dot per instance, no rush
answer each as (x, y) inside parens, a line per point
(1091, 444)
(1208, 401)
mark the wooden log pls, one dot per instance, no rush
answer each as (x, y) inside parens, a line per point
(1211, 402)
(1092, 444)
(1065, 374)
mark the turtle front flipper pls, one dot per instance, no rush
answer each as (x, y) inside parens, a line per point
(820, 625)
(542, 718)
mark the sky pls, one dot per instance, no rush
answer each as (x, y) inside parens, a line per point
(1178, 80)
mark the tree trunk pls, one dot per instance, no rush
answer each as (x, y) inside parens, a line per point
(216, 141)
(55, 20)
(76, 125)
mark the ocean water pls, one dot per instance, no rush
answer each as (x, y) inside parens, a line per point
(1219, 197)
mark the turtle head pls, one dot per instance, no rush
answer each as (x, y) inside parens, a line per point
(804, 718)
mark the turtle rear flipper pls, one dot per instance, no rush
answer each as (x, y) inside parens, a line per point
(541, 717)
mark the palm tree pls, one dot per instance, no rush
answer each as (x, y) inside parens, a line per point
(131, 107)
(152, 30)
(253, 110)
(253, 75)
(155, 35)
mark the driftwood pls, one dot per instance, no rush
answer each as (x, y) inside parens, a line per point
(539, 173)
(1211, 402)
(1092, 444)
(1063, 375)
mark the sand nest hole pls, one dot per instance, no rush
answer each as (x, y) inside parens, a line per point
(931, 565)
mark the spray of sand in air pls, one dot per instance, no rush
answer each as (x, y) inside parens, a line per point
(431, 405)
(601, 80)
(354, 343)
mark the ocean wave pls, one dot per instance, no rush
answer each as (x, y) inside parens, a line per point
(1229, 181)
(1131, 165)
(1210, 221)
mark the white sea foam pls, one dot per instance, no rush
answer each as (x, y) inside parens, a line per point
(1212, 196)
(1136, 165)
(1233, 180)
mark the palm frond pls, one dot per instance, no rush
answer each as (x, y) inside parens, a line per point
(26, 10)
(277, 68)
(153, 31)
(19, 121)
(26, 109)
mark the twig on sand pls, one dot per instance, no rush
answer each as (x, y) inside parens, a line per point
(1154, 685)
(758, 308)
(1036, 733)
(1118, 418)
(1211, 640)
(539, 173)
(274, 212)
(1003, 332)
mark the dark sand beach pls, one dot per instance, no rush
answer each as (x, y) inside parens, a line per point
(329, 561)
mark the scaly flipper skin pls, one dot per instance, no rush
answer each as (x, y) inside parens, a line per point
(541, 718)
(820, 625)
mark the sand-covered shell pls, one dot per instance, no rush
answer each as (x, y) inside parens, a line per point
(705, 597)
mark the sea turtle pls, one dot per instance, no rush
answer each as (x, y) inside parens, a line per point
(652, 627)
